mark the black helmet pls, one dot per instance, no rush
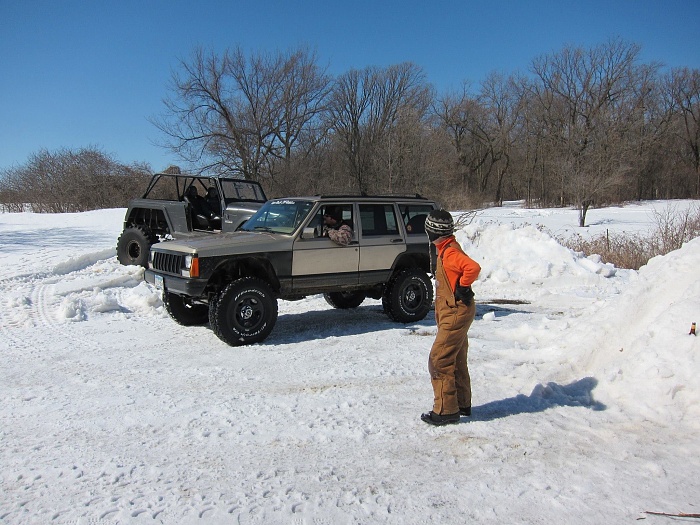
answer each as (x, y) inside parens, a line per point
(439, 224)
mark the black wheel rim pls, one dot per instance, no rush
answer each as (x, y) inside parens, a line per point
(249, 312)
(134, 250)
(412, 296)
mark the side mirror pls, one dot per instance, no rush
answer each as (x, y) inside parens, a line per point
(309, 233)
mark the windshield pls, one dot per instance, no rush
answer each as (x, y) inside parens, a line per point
(279, 216)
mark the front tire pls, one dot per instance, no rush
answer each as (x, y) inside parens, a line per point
(408, 296)
(344, 300)
(134, 245)
(184, 311)
(244, 313)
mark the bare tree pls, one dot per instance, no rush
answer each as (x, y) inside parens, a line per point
(582, 92)
(502, 103)
(365, 106)
(531, 146)
(647, 118)
(244, 114)
(303, 98)
(459, 117)
(682, 86)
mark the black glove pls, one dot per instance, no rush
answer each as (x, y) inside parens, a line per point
(464, 294)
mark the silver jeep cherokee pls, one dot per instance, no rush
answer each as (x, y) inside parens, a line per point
(233, 280)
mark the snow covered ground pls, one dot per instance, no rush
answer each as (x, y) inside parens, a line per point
(586, 391)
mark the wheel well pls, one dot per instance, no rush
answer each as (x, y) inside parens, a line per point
(414, 260)
(153, 219)
(230, 270)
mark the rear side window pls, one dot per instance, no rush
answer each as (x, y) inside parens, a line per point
(242, 190)
(378, 219)
(413, 216)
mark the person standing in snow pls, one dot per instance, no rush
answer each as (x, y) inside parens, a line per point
(454, 312)
(335, 228)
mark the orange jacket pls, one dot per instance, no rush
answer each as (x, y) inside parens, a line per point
(456, 263)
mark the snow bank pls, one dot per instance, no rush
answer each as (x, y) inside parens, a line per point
(639, 342)
(525, 263)
(631, 330)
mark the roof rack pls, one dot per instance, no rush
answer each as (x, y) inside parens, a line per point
(378, 196)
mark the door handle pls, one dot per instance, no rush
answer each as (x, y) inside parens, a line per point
(396, 240)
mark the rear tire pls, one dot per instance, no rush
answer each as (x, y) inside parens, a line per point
(344, 300)
(408, 296)
(184, 311)
(134, 245)
(245, 312)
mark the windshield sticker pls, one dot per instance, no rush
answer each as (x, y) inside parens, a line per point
(282, 202)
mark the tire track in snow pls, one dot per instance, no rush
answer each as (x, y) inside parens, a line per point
(60, 352)
(18, 309)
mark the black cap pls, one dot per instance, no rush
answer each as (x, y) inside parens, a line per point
(334, 212)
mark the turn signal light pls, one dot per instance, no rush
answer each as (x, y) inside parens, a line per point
(194, 269)
(191, 268)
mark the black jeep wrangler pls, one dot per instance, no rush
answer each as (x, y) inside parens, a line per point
(233, 280)
(177, 204)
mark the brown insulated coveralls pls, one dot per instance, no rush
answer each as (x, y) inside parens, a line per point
(447, 364)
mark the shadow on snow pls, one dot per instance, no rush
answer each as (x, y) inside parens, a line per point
(576, 394)
(320, 324)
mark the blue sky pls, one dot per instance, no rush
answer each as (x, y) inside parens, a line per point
(90, 73)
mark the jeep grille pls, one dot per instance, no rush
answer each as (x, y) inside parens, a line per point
(168, 262)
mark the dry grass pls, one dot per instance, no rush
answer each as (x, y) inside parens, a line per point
(672, 229)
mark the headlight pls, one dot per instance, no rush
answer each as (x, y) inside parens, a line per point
(191, 268)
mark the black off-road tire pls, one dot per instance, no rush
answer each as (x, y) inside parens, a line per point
(245, 312)
(134, 245)
(344, 300)
(185, 312)
(408, 296)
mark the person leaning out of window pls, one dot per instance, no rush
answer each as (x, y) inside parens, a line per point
(335, 228)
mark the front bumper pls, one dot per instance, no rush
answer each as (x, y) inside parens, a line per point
(177, 285)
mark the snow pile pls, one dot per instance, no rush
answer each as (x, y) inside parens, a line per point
(121, 291)
(636, 341)
(640, 343)
(525, 263)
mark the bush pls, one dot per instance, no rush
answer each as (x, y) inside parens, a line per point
(70, 181)
(625, 250)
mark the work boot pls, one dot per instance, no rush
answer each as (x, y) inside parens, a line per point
(465, 411)
(440, 419)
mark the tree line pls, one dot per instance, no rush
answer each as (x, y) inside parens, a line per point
(68, 181)
(584, 126)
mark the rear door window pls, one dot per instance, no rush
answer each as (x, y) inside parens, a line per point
(413, 216)
(378, 220)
